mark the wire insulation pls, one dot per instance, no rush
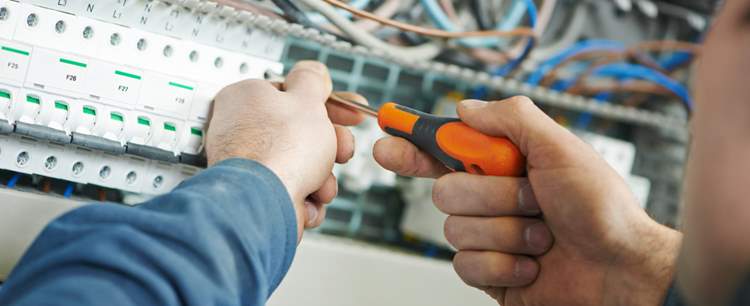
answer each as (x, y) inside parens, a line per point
(418, 53)
(437, 33)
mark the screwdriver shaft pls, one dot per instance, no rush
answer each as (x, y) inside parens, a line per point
(365, 109)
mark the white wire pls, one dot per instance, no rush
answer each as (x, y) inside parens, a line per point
(570, 37)
(422, 52)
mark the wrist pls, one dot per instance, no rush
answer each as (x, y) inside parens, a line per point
(645, 278)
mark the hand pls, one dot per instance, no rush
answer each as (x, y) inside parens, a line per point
(292, 131)
(606, 250)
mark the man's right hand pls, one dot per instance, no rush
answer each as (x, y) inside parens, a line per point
(606, 250)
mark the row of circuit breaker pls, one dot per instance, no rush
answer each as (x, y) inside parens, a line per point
(123, 99)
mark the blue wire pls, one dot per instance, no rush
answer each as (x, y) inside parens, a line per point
(581, 47)
(69, 190)
(510, 21)
(631, 71)
(510, 67)
(13, 181)
(675, 60)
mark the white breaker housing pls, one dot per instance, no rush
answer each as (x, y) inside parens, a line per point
(117, 93)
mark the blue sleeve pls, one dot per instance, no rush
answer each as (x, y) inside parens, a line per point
(224, 237)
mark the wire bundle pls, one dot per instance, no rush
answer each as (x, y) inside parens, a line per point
(501, 36)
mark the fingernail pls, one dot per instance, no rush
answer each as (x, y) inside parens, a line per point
(525, 268)
(526, 200)
(473, 104)
(537, 236)
(312, 214)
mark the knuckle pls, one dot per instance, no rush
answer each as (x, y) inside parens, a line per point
(496, 273)
(521, 105)
(450, 231)
(463, 267)
(242, 87)
(438, 193)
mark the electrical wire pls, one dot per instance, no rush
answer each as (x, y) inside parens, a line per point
(637, 53)
(387, 9)
(516, 63)
(294, 13)
(69, 190)
(512, 20)
(437, 33)
(13, 180)
(484, 22)
(449, 9)
(417, 53)
(612, 51)
(631, 71)
(536, 77)
(573, 31)
(359, 4)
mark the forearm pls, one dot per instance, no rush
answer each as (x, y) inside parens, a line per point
(223, 237)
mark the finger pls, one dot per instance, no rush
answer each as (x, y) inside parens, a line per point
(401, 156)
(545, 143)
(466, 194)
(528, 236)
(319, 212)
(345, 144)
(340, 114)
(482, 269)
(327, 191)
(309, 80)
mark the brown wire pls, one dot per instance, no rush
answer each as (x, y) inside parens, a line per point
(521, 31)
(636, 53)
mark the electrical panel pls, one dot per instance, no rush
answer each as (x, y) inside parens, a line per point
(117, 94)
(111, 98)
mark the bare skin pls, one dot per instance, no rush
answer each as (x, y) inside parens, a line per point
(605, 250)
(593, 245)
(605, 247)
(292, 132)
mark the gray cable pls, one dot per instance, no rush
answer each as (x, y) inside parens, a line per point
(420, 53)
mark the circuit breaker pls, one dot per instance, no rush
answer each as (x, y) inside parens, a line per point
(117, 93)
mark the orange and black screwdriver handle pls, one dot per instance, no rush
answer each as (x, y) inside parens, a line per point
(455, 144)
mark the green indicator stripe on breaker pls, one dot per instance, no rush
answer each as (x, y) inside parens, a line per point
(178, 85)
(196, 131)
(72, 62)
(4, 94)
(128, 75)
(144, 121)
(61, 105)
(116, 117)
(170, 127)
(32, 99)
(89, 110)
(14, 50)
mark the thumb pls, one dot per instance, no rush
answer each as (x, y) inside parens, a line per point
(545, 143)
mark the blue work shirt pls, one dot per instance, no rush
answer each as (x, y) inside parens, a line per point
(226, 236)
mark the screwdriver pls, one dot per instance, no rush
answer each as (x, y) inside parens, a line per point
(452, 142)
